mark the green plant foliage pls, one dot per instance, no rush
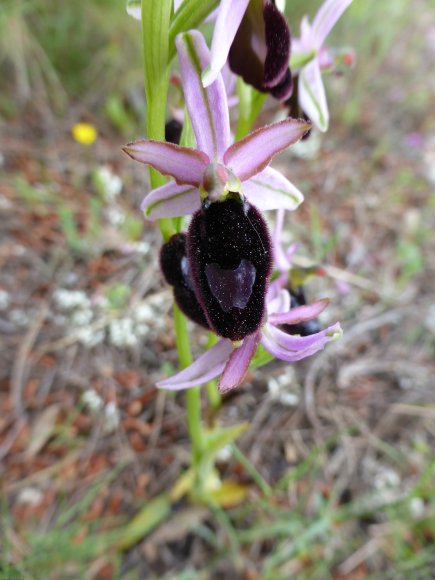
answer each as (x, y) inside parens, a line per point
(118, 296)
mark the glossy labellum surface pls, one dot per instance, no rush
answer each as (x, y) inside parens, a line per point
(229, 252)
(175, 269)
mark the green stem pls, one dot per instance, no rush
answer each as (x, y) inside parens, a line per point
(250, 105)
(193, 395)
(155, 26)
(156, 16)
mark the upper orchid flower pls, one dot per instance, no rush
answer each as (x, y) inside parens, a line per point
(228, 243)
(216, 168)
(255, 38)
(233, 363)
(309, 50)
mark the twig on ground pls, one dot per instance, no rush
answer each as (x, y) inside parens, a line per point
(20, 364)
(360, 556)
(338, 274)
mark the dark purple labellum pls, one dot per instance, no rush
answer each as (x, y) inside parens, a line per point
(307, 327)
(229, 252)
(176, 271)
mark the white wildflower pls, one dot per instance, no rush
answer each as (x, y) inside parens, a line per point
(92, 400)
(142, 248)
(115, 215)
(144, 313)
(111, 417)
(19, 317)
(430, 319)
(5, 204)
(89, 336)
(142, 329)
(278, 389)
(82, 317)
(417, 507)
(31, 496)
(386, 478)
(224, 454)
(4, 299)
(109, 184)
(70, 299)
(121, 332)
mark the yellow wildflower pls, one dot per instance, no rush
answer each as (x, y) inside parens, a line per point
(84, 133)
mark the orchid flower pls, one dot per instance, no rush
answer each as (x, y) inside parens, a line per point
(216, 168)
(233, 363)
(253, 35)
(309, 50)
(230, 359)
(228, 244)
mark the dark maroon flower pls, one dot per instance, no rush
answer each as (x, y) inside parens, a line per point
(229, 251)
(255, 38)
(260, 51)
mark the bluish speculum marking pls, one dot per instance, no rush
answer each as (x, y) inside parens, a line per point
(231, 288)
(186, 272)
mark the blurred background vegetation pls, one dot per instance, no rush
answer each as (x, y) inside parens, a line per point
(346, 493)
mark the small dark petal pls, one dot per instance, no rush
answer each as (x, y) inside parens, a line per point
(189, 306)
(175, 269)
(292, 102)
(232, 237)
(307, 327)
(171, 255)
(173, 131)
(278, 45)
(302, 328)
(284, 89)
(308, 133)
(298, 297)
(294, 109)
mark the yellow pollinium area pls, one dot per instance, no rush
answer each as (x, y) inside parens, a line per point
(218, 182)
